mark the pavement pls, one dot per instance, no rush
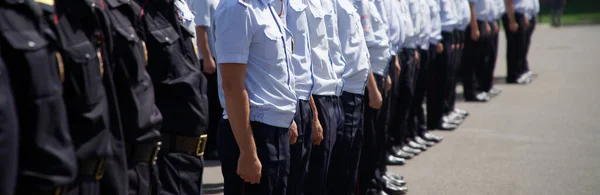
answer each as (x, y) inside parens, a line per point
(542, 138)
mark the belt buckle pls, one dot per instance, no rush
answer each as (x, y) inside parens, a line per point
(155, 155)
(99, 170)
(201, 145)
(60, 190)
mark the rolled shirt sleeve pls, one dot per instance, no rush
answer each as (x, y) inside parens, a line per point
(201, 11)
(233, 22)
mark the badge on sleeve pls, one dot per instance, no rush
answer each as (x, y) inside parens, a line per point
(61, 67)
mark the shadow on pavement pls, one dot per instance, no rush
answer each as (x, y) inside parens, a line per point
(213, 188)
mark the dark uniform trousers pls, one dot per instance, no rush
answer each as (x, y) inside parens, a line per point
(532, 24)
(9, 137)
(214, 109)
(475, 63)
(46, 158)
(436, 96)
(485, 79)
(516, 45)
(454, 71)
(343, 168)
(331, 116)
(300, 151)
(180, 92)
(416, 118)
(405, 90)
(386, 113)
(375, 121)
(273, 150)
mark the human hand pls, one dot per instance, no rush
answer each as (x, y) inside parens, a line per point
(388, 85)
(440, 48)
(375, 99)
(293, 133)
(317, 132)
(209, 66)
(249, 168)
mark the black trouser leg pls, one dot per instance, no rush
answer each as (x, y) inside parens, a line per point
(532, 24)
(515, 48)
(348, 145)
(143, 179)
(9, 134)
(455, 72)
(487, 77)
(374, 131)
(406, 91)
(273, 150)
(449, 91)
(331, 117)
(475, 62)
(181, 173)
(436, 96)
(115, 180)
(416, 117)
(300, 151)
(215, 112)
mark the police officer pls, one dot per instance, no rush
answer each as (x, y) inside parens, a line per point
(256, 84)
(89, 93)
(328, 65)
(180, 92)
(140, 118)
(436, 98)
(28, 48)
(203, 11)
(515, 21)
(531, 23)
(371, 180)
(295, 15)
(486, 78)
(9, 127)
(345, 157)
(475, 56)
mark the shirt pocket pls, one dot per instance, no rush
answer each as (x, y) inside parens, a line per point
(273, 43)
(83, 70)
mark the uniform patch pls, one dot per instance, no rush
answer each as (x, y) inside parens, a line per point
(61, 67)
(47, 2)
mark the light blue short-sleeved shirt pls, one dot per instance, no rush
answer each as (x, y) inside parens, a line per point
(425, 17)
(448, 15)
(293, 13)
(250, 32)
(436, 22)
(379, 49)
(333, 35)
(392, 8)
(464, 14)
(536, 7)
(413, 42)
(483, 9)
(326, 81)
(354, 47)
(204, 11)
(524, 7)
(407, 28)
(500, 8)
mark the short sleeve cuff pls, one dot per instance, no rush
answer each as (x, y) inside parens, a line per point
(232, 58)
(202, 21)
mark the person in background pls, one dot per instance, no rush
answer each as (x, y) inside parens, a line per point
(557, 10)
(516, 24)
(486, 77)
(531, 23)
(256, 88)
(476, 51)
(204, 11)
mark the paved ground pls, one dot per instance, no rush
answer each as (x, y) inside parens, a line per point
(543, 138)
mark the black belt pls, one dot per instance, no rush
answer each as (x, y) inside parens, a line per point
(184, 144)
(146, 153)
(49, 191)
(94, 168)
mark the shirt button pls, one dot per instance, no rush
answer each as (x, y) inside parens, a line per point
(87, 55)
(132, 35)
(31, 44)
(167, 38)
(93, 4)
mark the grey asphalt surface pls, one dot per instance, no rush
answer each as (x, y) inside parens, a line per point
(542, 138)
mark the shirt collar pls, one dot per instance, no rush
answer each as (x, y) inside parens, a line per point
(266, 2)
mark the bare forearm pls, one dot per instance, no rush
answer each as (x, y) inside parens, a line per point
(202, 41)
(238, 107)
(371, 83)
(510, 10)
(313, 107)
(474, 24)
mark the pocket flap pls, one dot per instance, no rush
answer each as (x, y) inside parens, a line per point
(166, 35)
(128, 32)
(82, 52)
(25, 40)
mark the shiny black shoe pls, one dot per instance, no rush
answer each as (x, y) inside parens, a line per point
(461, 112)
(415, 145)
(397, 151)
(447, 126)
(396, 182)
(392, 160)
(432, 138)
(393, 175)
(411, 150)
(391, 189)
(423, 142)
